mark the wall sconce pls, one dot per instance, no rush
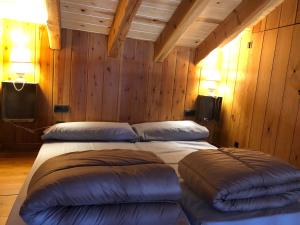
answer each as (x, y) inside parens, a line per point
(211, 81)
(20, 64)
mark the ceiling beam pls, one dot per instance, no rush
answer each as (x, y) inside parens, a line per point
(53, 23)
(186, 13)
(246, 14)
(125, 13)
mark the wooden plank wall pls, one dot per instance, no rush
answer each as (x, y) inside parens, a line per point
(264, 113)
(131, 88)
(1, 50)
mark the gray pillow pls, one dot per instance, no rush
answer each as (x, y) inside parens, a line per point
(90, 131)
(171, 131)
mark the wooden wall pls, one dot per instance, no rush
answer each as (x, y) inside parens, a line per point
(1, 49)
(129, 88)
(261, 110)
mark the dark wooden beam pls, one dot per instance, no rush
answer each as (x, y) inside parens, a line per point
(53, 23)
(125, 13)
(247, 13)
(186, 13)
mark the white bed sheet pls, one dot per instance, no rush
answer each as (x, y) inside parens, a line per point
(171, 152)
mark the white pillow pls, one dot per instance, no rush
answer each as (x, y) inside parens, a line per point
(90, 131)
(171, 131)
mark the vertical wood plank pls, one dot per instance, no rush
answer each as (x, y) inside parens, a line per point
(45, 82)
(277, 84)
(262, 89)
(179, 91)
(263, 24)
(95, 69)
(239, 93)
(227, 102)
(62, 74)
(78, 89)
(59, 64)
(1, 50)
(289, 12)
(167, 84)
(153, 95)
(144, 53)
(111, 90)
(298, 13)
(192, 83)
(127, 74)
(290, 105)
(273, 18)
(256, 27)
(250, 87)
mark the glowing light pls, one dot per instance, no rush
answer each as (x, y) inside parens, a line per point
(20, 54)
(19, 38)
(212, 75)
(33, 11)
(21, 68)
(21, 64)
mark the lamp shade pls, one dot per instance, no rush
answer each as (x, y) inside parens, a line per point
(20, 55)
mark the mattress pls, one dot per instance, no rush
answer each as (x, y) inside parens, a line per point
(171, 152)
(198, 211)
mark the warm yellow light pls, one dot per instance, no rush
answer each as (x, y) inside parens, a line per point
(21, 68)
(211, 75)
(33, 11)
(20, 54)
(19, 38)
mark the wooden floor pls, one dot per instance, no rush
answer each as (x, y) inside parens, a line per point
(13, 171)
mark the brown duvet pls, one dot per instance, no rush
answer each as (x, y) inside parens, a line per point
(241, 180)
(105, 187)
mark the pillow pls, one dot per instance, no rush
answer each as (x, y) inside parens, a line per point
(90, 131)
(171, 131)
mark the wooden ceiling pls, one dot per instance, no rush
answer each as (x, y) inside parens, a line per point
(151, 18)
(203, 24)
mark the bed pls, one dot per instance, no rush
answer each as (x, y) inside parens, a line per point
(171, 152)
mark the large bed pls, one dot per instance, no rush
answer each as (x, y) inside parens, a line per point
(171, 152)
(196, 208)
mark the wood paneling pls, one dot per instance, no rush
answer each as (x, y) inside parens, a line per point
(95, 76)
(1, 50)
(288, 12)
(272, 20)
(240, 85)
(277, 84)
(267, 119)
(151, 18)
(298, 13)
(244, 15)
(291, 101)
(231, 74)
(179, 91)
(129, 88)
(262, 89)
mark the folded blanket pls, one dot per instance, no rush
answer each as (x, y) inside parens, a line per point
(241, 180)
(72, 186)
